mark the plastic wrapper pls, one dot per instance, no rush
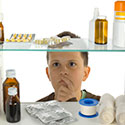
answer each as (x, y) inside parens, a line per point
(54, 42)
(50, 113)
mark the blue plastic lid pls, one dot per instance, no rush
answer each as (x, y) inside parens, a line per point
(88, 102)
(88, 116)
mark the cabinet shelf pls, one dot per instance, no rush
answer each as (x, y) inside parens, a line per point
(72, 107)
(77, 45)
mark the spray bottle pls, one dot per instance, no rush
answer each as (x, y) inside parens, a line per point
(92, 26)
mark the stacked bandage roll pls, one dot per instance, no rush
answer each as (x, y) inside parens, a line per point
(107, 109)
(88, 108)
(120, 109)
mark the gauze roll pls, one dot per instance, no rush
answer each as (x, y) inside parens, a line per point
(120, 110)
(107, 109)
(120, 99)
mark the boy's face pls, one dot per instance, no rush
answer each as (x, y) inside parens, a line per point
(66, 70)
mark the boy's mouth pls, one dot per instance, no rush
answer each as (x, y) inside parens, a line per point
(62, 82)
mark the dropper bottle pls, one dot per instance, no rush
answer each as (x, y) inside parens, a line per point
(1, 29)
(92, 26)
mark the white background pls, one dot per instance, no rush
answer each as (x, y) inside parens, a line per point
(47, 18)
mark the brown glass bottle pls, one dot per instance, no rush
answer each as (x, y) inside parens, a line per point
(13, 113)
(1, 30)
(9, 82)
(101, 30)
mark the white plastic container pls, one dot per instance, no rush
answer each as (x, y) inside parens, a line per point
(119, 24)
(92, 26)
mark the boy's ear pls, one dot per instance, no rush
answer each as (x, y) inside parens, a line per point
(86, 73)
(47, 73)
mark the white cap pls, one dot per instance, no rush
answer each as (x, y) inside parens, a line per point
(101, 17)
(10, 73)
(96, 12)
(1, 17)
(12, 91)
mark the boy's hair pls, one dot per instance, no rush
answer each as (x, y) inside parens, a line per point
(83, 54)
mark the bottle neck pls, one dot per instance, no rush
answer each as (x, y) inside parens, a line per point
(13, 77)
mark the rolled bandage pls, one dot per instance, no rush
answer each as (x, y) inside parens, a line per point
(88, 108)
(107, 109)
(120, 109)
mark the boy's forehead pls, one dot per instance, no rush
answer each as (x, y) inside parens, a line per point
(64, 55)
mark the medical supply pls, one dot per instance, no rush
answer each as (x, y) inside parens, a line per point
(119, 24)
(101, 30)
(120, 109)
(10, 81)
(92, 26)
(13, 113)
(107, 109)
(21, 38)
(88, 108)
(1, 29)
(52, 40)
(50, 113)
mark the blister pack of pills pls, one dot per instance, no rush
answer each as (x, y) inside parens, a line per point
(50, 113)
(21, 38)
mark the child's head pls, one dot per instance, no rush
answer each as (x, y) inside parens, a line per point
(65, 67)
(67, 70)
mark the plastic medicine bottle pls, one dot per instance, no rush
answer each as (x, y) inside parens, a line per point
(119, 24)
(13, 113)
(92, 26)
(9, 82)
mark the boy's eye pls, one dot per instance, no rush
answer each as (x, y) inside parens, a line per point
(56, 64)
(72, 64)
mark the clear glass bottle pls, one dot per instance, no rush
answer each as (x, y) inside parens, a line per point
(10, 81)
(1, 29)
(13, 112)
(101, 30)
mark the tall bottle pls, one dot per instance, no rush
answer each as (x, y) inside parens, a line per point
(1, 29)
(119, 24)
(13, 113)
(92, 26)
(10, 81)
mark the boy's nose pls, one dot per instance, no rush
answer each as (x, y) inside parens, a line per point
(64, 71)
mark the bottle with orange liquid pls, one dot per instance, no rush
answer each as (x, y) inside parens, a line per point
(101, 30)
(10, 81)
(1, 29)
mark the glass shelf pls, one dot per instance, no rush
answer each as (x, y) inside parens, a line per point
(77, 45)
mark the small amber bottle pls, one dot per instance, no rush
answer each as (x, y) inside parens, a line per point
(101, 30)
(1, 30)
(13, 113)
(10, 81)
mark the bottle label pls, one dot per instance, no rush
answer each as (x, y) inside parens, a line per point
(120, 15)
